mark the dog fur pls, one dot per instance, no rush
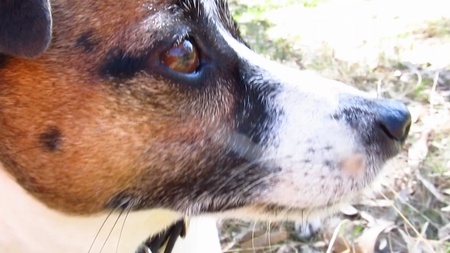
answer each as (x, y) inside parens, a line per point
(97, 129)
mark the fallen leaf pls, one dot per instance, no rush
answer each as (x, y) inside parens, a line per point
(348, 210)
(368, 239)
(377, 202)
(265, 240)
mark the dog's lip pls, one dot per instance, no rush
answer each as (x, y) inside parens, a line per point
(296, 212)
(282, 213)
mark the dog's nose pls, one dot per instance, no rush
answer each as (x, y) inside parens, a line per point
(394, 118)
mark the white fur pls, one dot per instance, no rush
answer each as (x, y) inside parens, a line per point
(28, 226)
(307, 101)
(210, 8)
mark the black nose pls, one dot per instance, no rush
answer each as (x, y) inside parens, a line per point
(394, 118)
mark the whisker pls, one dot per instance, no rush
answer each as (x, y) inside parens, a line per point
(257, 182)
(121, 229)
(269, 235)
(112, 229)
(99, 230)
(20, 151)
(253, 237)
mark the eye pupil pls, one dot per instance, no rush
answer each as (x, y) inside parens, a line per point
(181, 58)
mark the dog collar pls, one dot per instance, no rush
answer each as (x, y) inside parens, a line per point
(165, 241)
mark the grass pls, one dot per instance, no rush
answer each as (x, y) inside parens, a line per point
(397, 49)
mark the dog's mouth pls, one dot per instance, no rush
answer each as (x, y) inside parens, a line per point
(292, 212)
(281, 213)
(352, 176)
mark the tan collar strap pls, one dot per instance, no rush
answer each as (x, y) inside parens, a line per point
(165, 241)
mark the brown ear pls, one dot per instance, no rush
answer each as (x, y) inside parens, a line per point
(25, 27)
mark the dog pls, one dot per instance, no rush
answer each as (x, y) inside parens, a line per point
(122, 122)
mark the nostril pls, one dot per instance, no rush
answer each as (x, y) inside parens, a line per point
(394, 119)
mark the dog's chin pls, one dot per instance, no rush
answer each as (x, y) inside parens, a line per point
(278, 212)
(281, 213)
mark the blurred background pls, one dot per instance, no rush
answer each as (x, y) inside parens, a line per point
(394, 48)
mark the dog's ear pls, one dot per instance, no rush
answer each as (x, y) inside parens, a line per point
(25, 27)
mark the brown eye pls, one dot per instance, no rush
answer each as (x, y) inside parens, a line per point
(181, 58)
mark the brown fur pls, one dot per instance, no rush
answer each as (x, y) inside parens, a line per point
(75, 138)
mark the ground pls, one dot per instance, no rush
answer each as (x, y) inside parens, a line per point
(394, 48)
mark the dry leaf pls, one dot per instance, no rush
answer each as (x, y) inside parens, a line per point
(368, 239)
(265, 240)
(348, 210)
(383, 244)
(377, 202)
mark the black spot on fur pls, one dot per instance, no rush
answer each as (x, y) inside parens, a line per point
(86, 42)
(4, 59)
(121, 65)
(51, 139)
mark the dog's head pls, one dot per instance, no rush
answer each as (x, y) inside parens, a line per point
(160, 103)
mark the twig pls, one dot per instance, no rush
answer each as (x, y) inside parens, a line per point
(433, 89)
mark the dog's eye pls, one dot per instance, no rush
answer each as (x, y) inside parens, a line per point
(182, 57)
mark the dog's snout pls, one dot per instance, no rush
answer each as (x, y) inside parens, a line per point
(394, 119)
